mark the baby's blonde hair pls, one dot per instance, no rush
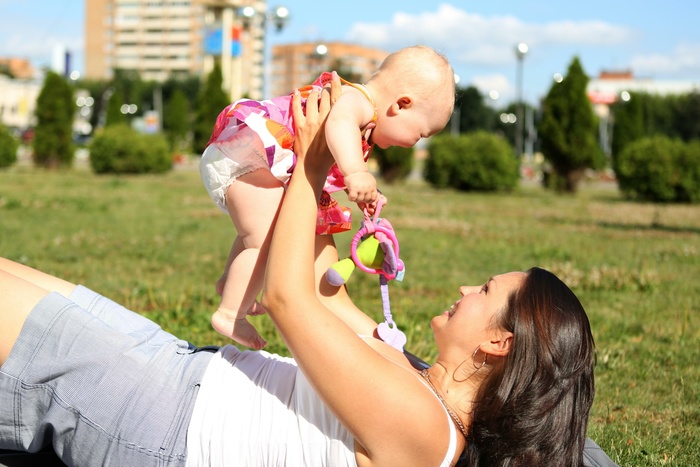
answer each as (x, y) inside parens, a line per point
(418, 66)
(418, 69)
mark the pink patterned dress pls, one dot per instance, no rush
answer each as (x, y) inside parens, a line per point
(251, 135)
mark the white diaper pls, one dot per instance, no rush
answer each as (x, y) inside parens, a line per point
(218, 170)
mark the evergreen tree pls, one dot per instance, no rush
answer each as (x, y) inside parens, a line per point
(53, 136)
(628, 125)
(345, 71)
(114, 110)
(176, 121)
(8, 147)
(473, 112)
(506, 128)
(568, 128)
(211, 100)
(687, 116)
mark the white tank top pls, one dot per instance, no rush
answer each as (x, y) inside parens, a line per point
(258, 409)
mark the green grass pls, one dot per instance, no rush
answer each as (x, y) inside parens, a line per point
(157, 244)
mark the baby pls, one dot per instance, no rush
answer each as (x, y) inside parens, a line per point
(249, 160)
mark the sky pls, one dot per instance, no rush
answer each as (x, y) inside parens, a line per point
(654, 39)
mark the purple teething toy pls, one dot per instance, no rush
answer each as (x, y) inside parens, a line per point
(391, 268)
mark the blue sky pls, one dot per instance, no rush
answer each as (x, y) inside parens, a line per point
(654, 39)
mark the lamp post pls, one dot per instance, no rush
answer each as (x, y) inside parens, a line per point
(278, 17)
(520, 52)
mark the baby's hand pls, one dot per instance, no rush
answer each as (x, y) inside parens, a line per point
(361, 187)
(372, 207)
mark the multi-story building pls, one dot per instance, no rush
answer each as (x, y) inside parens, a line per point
(295, 65)
(169, 38)
(18, 101)
(156, 38)
(165, 38)
(19, 68)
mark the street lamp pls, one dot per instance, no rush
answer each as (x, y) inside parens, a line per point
(278, 16)
(520, 51)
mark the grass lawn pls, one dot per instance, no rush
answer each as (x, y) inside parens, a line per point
(158, 244)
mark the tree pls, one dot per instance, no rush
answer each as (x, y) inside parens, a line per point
(211, 100)
(115, 117)
(53, 136)
(395, 163)
(8, 147)
(346, 71)
(628, 125)
(687, 116)
(176, 121)
(567, 130)
(473, 113)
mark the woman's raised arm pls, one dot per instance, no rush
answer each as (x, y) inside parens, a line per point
(368, 392)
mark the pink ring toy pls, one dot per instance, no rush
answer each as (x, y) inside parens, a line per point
(356, 240)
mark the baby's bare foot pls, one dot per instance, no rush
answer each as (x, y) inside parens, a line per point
(256, 309)
(239, 329)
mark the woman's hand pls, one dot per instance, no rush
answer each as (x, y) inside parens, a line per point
(308, 139)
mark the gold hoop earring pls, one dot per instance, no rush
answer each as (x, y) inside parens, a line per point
(474, 358)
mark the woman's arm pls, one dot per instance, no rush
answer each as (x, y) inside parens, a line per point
(387, 409)
(337, 298)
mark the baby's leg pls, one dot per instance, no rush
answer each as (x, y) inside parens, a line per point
(236, 249)
(253, 202)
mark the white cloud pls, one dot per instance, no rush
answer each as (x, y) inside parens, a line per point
(475, 39)
(496, 82)
(684, 60)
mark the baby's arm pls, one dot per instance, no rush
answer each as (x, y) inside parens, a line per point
(349, 115)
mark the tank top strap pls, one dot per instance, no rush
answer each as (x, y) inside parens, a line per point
(365, 92)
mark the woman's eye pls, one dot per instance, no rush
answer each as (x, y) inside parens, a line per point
(485, 288)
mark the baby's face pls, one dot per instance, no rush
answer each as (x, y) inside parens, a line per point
(409, 126)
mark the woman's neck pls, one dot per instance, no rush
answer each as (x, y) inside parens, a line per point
(458, 391)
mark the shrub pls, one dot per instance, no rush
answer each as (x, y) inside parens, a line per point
(8, 147)
(443, 153)
(478, 161)
(652, 169)
(121, 149)
(395, 163)
(688, 188)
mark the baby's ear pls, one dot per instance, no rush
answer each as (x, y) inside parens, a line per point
(404, 102)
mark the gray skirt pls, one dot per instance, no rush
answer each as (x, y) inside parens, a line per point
(100, 384)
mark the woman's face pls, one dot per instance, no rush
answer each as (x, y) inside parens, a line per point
(469, 321)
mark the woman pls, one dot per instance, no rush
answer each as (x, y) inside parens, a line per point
(512, 384)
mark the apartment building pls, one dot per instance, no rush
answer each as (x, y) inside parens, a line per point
(164, 38)
(19, 68)
(295, 65)
(169, 38)
(156, 38)
(18, 101)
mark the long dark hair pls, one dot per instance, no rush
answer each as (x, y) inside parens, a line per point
(532, 409)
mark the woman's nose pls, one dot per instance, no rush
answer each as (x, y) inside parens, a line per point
(467, 289)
